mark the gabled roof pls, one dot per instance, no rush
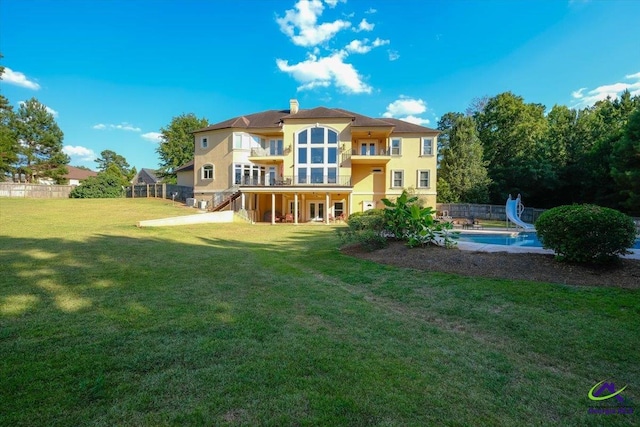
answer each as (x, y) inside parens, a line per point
(145, 176)
(274, 118)
(320, 113)
(405, 127)
(79, 173)
(265, 119)
(186, 167)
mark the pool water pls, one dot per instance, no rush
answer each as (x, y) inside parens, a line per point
(524, 239)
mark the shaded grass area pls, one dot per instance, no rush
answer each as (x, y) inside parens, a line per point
(102, 323)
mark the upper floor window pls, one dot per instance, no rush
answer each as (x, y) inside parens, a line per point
(204, 142)
(245, 141)
(396, 146)
(317, 160)
(397, 179)
(423, 179)
(207, 172)
(427, 147)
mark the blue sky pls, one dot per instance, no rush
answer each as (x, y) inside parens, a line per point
(114, 72)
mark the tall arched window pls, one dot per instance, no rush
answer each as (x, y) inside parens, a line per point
(207, 172)
(317, 161)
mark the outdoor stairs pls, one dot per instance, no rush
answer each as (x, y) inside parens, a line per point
(226, 200)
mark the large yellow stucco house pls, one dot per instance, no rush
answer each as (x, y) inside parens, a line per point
(319, 164)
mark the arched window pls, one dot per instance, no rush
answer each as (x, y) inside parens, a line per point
(317, 161)
(207, 172)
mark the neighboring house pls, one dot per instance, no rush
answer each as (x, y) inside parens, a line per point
(185, 174)
(76, 175)
(146, 176)
(313, 165)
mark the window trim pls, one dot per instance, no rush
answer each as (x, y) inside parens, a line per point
(204, 142)
(422, 153)
(204, 169)
(420, 171)
(393, 172)
(399, 146)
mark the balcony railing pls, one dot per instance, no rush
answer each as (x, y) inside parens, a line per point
(346, 155)
(263, 152)
(295, 180)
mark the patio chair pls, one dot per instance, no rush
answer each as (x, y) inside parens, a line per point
(288, 218)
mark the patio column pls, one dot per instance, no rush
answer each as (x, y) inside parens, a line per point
(295, 208)
(242, 202)
(349, 209)
(273, 208)
(326, 208)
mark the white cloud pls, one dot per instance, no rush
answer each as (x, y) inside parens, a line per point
(363, 46)
(79, 152)
(322, 72)
(364, 26)
(17, 78)
(333, 3)
(122, 126)
(300, 24)
(405, 106)
(393, 55)
(407, 109)
(578, 93)
(370, 11)
(587, 98)
(152, 136)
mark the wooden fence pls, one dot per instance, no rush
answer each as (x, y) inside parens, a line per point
(476, 211)
(162, 191)
(35, 191)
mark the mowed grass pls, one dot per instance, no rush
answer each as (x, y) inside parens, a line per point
(103, 323)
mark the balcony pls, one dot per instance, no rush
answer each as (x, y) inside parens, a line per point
(298, 181)
(264, 155)
(380, 156)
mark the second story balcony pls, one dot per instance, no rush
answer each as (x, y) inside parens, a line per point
(367, 156)
(313, 180)
(268, 155)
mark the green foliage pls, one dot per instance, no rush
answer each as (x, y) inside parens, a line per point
(462, 166)
(406, 220)
(40, 151)
(111, 159)
(626, 164)
(366, 229)
(177, 145)
(586, 233)
(108, 184)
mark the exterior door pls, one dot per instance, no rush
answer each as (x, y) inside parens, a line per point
(316, 211)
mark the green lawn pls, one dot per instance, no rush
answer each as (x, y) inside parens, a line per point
(102, 323)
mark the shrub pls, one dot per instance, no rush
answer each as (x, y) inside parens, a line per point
(372, 219)
(101, 186)
(586, 233)
(407, 220)
(365, 228)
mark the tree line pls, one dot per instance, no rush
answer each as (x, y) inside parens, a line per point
(503, 145)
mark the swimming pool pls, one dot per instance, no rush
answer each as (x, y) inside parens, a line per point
(523, 239)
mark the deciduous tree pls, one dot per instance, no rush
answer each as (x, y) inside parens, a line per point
(177, 145)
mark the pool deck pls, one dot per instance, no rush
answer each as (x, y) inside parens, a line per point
(483, 247)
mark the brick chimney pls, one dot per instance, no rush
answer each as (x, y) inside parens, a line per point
(293, 106)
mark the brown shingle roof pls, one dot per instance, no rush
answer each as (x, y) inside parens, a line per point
(78, 173)
(321, 113)
(405, 127)
(265, 119)
(273, 118)
(186, 167)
